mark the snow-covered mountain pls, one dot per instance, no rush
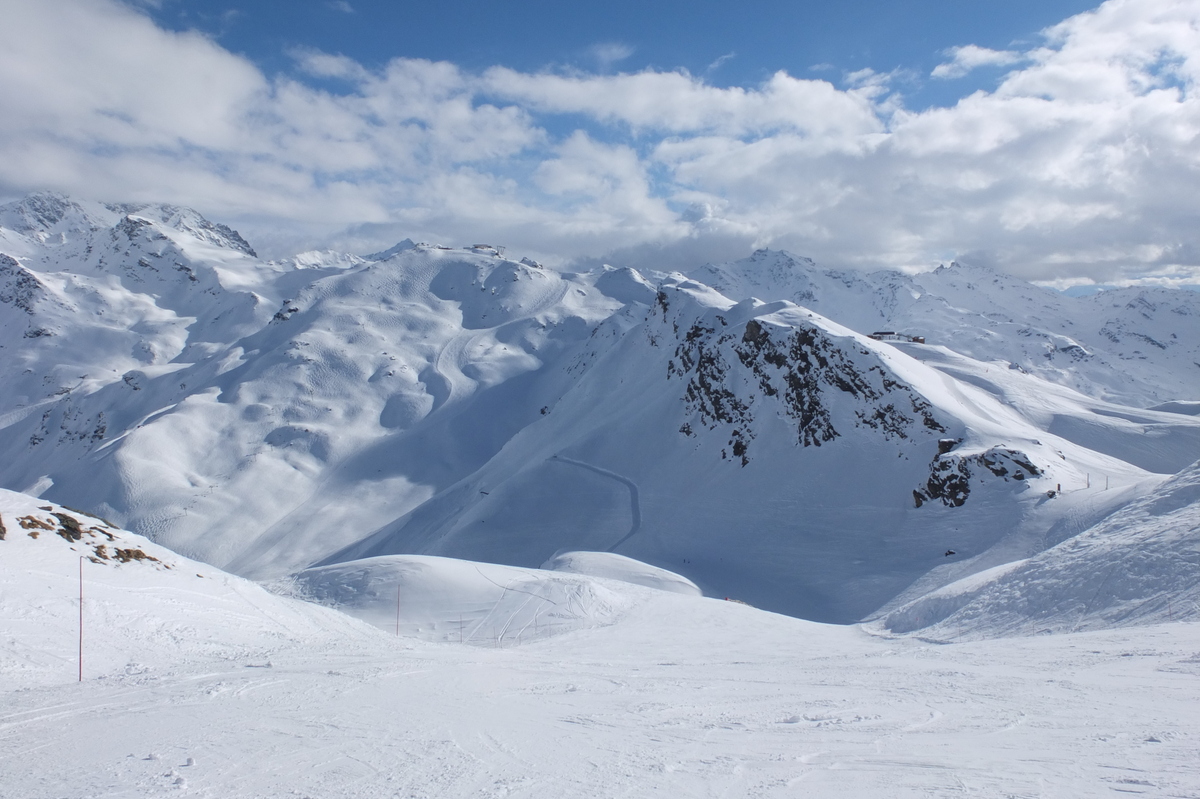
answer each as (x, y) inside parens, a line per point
(735, 425)
(1136, 346)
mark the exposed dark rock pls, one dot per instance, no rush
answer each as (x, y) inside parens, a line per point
(132, 227)
(18, 286)
(285, 313)
(801, 368)
(950, 474)
(70, 529)
(949, 481)
(127, 555)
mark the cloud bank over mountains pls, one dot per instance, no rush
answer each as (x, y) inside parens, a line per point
(1080, 164)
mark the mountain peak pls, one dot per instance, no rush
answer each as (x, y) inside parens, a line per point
(187, 220)
(46, 216)
(395, 249)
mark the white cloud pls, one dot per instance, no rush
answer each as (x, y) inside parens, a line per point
(718, 63)
(970, 57)
(609, 53)
(1081, 164)
(342, 6)
(674, 102)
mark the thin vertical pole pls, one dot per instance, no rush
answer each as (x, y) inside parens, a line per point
(81, 618)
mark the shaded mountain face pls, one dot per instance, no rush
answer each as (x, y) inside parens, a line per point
(268, 416)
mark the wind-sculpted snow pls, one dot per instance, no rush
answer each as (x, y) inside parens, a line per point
(454, 601)
(611, 566)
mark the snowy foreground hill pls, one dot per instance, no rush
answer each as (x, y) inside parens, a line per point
(498, 504)
(199, 683)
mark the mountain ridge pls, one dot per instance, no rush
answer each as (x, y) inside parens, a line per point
(269, 416)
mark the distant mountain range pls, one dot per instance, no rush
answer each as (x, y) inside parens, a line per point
(737, 425)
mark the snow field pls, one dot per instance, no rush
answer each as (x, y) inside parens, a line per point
(200, 684)
(1140, 565)
(681, 697)
(142, 611)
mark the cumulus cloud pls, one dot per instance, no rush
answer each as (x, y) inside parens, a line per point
(970, 57)
(1080, 164)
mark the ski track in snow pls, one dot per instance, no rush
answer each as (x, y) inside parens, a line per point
(635, 505)
(448, 366)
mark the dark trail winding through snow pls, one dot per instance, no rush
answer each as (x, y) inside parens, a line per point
(635, 507)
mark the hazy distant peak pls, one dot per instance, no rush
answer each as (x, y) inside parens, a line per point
(395, 249)
(187, 220)
(46, 215)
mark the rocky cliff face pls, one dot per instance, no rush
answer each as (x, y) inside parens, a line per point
(791, 367)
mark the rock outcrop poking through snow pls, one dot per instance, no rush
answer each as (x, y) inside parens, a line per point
(780, 361)
(950, 474)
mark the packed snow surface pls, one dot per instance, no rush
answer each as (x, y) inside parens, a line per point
(197, 683)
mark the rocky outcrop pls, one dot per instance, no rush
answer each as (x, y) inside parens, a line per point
(731, 371)
(18, 286)
(950, 473)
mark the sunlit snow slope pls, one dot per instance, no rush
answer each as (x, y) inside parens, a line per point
(144, 608)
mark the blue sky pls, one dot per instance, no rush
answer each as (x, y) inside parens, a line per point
(1057, 141)
(730, 44)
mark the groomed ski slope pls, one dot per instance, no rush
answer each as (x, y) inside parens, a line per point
(207, 686)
